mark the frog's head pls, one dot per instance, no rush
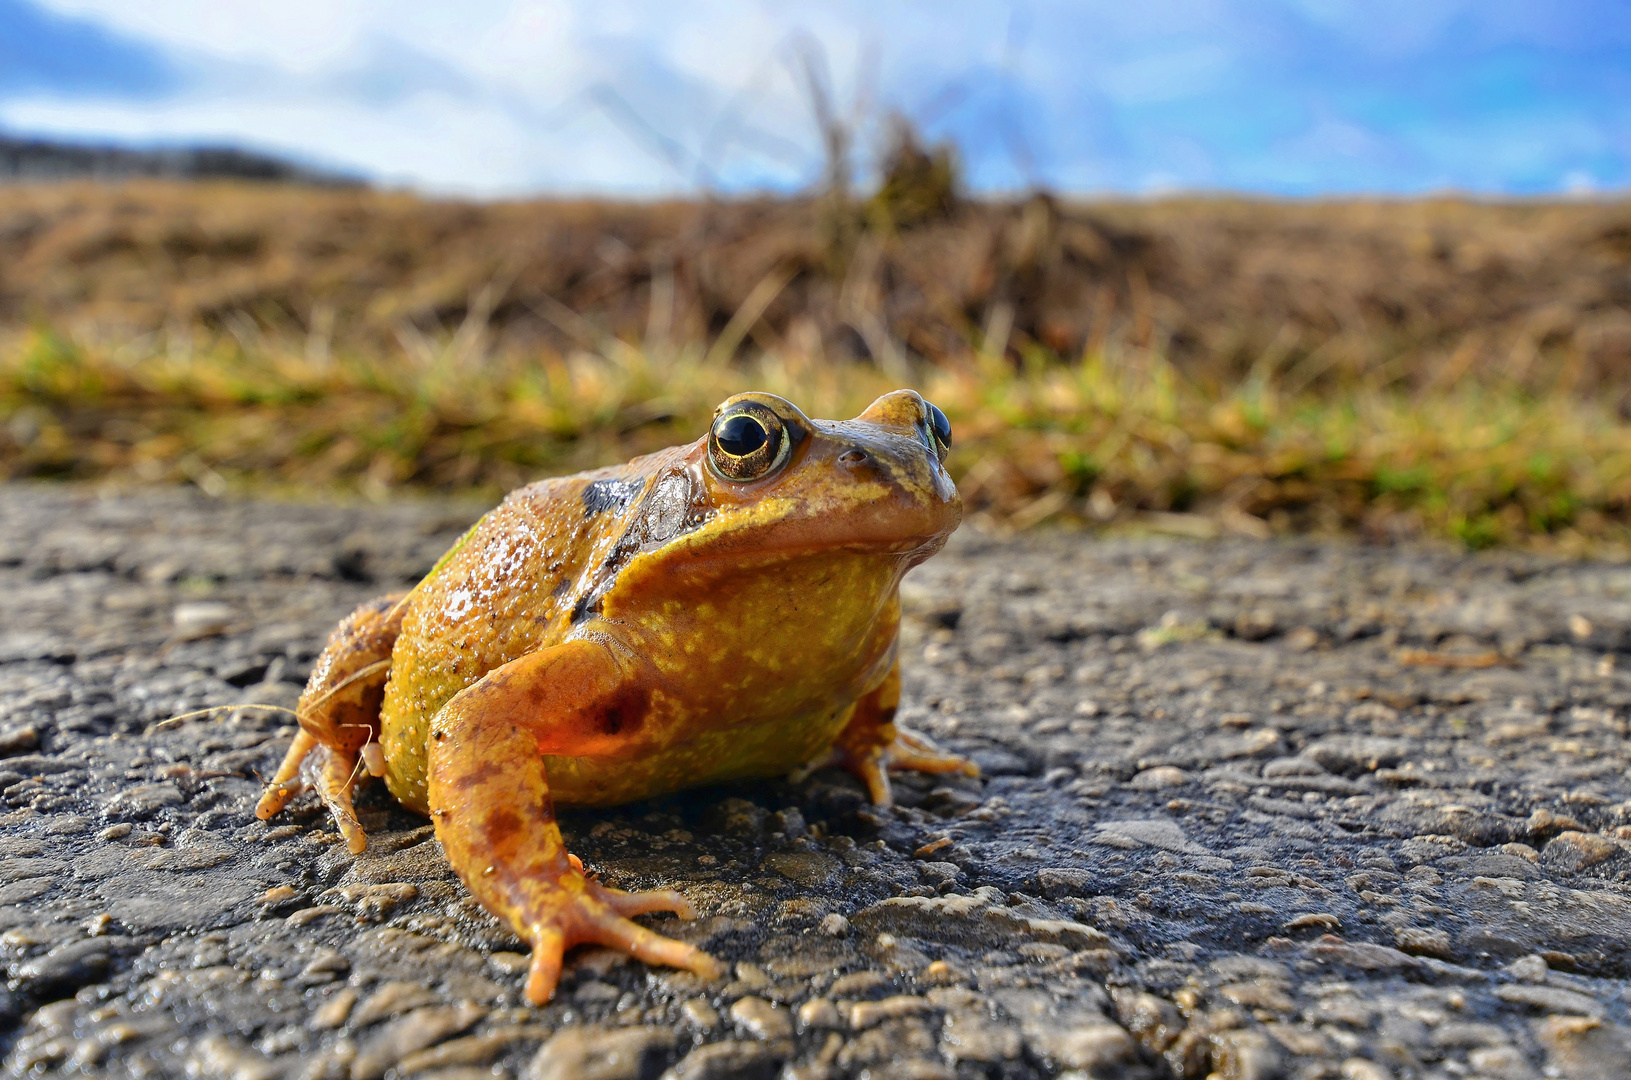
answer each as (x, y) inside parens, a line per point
(777, 481)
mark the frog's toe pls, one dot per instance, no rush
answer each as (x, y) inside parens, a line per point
(286, 782)
(919, 753)
(336, 774)
(639, 903)
(600, 916)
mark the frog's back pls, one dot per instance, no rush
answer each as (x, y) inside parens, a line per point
(508, 588)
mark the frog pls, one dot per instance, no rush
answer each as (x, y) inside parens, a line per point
(719, 611)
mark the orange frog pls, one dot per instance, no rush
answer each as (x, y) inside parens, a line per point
(710, 612)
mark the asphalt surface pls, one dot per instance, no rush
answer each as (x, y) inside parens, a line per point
(1298, 809)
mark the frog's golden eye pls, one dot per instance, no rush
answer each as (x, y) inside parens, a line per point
(748, 442)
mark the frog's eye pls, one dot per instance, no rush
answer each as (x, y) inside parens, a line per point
(941, 429)
(747, 443)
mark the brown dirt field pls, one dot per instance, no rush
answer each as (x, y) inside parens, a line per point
(1420, 292)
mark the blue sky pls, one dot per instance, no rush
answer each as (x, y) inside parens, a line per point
(641, 97)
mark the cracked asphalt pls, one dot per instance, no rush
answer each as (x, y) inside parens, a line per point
(1301, 809)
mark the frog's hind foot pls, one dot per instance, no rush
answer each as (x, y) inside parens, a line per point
(331, 773)
(574, 910)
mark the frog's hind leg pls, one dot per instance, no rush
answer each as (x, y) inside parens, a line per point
(339, 717)
(489, 797)
(872, 743)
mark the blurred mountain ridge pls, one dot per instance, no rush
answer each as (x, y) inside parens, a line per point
(30, 160)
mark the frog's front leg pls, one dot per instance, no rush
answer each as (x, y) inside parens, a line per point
(489, 797)
(872, 743)
(339, 717)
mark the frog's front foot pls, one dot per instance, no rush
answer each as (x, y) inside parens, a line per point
(872, 743)
(489, 798)
(555, 913)
(870, 762)
(332, 773)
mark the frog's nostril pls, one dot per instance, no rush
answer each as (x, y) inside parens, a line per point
(852, 456)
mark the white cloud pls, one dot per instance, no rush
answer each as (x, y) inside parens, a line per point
(497, 97)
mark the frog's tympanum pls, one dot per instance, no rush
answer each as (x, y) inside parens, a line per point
(709, 612)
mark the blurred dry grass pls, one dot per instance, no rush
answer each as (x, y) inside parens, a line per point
(1445, 368)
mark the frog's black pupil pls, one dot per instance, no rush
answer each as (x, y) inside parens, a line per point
(740, 435)
(937, 420)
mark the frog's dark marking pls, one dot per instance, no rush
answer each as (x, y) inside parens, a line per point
(668, 512)
(614, 495)
(502, 825)
(612, 721)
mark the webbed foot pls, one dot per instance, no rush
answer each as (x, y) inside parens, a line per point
(872, 744)
(554, 914)
(871, 762)
(489, 797)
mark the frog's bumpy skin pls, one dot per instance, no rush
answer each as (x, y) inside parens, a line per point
(619, 634)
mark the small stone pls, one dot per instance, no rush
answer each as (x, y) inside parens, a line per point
(1529, 969)
(1550, 999)
(1245, 1054)
(865, 1014)
(1160, 833)
(65, 967)
(1154, 1022)
(216, 1055)
(1160, 777)
(1292, 766)
(835, 925)
(1544, 823)
(142, 801)
(470, 1050)
(1302, 639)
(1575, 851)
(818, 1013)
(18, 740)
(761, 1019)
(1584, 1048)
(377, 900)
(973, 1036)
(591, 1053)
(333, 1012)
(1364, 1069)
(327, 962)
(1362, 955)
(729, 1060)
(1421, 941)
(201, 619)
(389, 1000)
(1093, 1046)
(699, 1014)
(943, 973)
(1500, 1063)
(857, 983)
(415, 1031)
(1258, 995)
